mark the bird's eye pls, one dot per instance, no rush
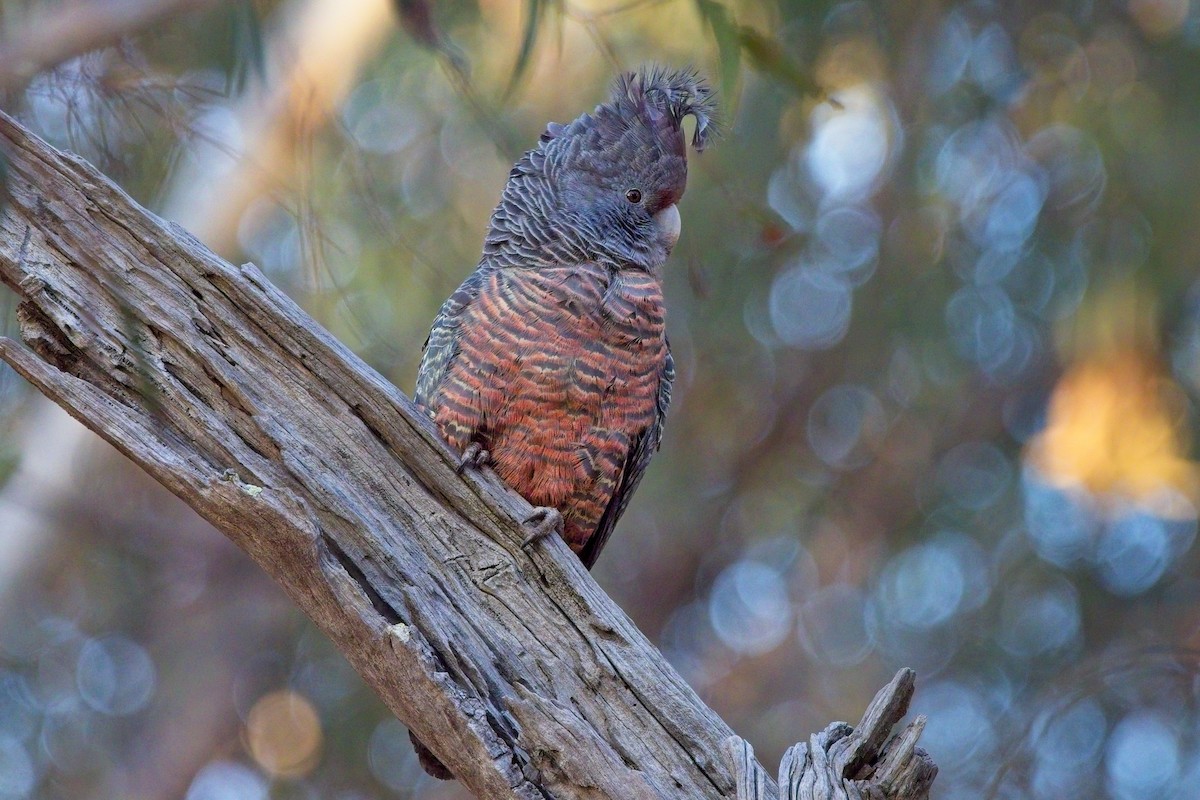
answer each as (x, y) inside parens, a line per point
(634, 195)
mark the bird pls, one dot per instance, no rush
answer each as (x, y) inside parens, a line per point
(550, 362)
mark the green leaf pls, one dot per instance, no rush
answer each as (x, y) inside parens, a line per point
(535, 10)
(768, 57)
(729, 49)
(249, 51)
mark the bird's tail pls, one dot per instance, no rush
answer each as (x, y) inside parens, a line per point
(430, 762)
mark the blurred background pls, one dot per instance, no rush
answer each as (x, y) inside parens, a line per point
(936, 311)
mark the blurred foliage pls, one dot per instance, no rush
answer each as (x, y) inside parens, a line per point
(937, 320)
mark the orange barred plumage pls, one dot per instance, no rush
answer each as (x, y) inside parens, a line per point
(559, 374)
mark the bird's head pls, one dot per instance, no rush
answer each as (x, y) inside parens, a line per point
(604, 187)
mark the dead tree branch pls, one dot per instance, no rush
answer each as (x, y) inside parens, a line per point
(514, 668)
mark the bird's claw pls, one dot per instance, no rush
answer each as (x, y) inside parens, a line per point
(541, 523)
(475, 456)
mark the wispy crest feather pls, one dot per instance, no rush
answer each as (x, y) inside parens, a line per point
(674, 93)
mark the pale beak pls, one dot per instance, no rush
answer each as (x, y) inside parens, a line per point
(668, 224)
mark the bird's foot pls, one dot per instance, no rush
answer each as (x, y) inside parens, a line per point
(541, 523)
(474, 456)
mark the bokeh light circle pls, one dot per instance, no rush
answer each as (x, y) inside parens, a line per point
(115, 675)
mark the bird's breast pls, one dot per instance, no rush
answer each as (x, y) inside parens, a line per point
(589, 349)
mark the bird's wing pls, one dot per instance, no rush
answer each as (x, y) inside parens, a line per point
(644, 447)
(441, 348)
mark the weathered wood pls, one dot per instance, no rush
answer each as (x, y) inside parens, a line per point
(751, 781)
(515, 669)
(845, 763)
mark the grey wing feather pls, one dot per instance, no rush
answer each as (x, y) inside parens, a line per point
(441, 347)
(640, 453)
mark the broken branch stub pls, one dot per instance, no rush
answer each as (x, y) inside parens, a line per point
(849, 763)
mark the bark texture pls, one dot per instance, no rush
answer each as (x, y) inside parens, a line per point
(516, 670)
(850, 763)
